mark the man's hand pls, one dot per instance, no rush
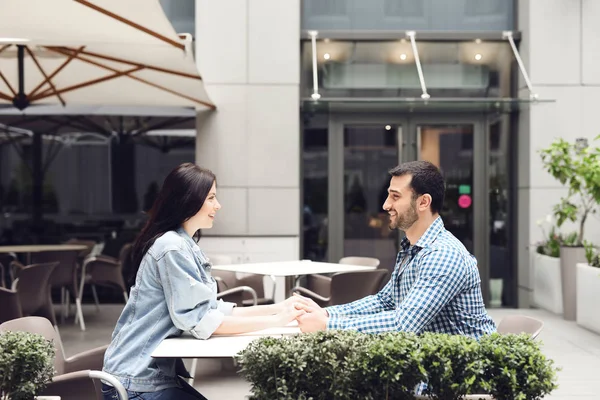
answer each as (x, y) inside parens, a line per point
(313, 320)
(289, 313)
(308, 303)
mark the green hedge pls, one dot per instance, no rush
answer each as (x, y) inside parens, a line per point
(349, 365)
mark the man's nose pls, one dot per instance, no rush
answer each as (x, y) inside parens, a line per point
(386, 205)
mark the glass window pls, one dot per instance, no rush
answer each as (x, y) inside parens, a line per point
(400, 15)
(90, 190)
(181, 14)
(315, 164)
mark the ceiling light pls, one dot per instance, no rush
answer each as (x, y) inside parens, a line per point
(326, 56)
(315, 96)
(326, 40)
(478, 57)
(403, 56)
(388, 127)
(478, 41)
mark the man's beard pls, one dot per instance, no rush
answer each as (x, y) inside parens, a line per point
(406, 220)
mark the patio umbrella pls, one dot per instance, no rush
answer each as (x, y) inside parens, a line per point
(105, 52)
(92, 52)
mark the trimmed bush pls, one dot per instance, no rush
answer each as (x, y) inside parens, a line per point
(514, 368)
(344, 365)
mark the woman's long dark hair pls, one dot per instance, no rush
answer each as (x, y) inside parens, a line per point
(181, 197)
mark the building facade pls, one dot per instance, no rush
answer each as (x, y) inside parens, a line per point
(305, 176)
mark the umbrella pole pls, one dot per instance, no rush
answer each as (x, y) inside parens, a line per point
(37, 189)
(21, 101)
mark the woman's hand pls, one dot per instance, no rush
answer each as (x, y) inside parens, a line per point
(289, 302)
(289, 313)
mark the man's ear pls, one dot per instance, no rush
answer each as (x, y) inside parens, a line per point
(424, 202)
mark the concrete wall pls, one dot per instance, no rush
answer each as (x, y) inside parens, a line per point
(248, 55)
(561, 49)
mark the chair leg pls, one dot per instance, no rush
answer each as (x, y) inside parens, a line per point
(62, 305)
(96, 298)
(79, 314)
(68, 302)
(193, 371)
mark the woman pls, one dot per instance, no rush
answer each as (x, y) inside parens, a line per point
(174, 292)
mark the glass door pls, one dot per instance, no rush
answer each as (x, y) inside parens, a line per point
(369, 152)
(363, 149)
(366, 150)
(458, 148)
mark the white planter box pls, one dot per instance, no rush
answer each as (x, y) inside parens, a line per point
(547, 289)
(588, 297)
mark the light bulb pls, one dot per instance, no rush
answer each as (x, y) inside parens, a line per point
(478, 57)
(403, 56)
(388, 127)
(326, 56)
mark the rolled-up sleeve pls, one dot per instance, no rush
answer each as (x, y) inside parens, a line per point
(225, 307)
(188, 296)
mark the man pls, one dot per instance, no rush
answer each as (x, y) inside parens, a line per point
(435, 285)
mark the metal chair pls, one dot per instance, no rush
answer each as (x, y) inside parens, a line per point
(6, 276)
(11, 306)
(517, 324)
(246, 291)
(64, 276)
(347, 287)
(105, 271)
(32, 285)
(321, 284)
(76, 377)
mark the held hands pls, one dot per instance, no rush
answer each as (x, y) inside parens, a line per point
(308, 304)
(314, 317)
(288, 313)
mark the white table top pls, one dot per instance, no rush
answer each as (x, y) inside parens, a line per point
(291, 268)
(38, 248)
(187, 346)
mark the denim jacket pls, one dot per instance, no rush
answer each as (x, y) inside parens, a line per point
(174, 292)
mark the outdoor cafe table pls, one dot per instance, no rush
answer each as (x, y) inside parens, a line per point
(278, 271)
(40, 248)
(217, 346)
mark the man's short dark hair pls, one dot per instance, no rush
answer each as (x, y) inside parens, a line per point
(426, 179)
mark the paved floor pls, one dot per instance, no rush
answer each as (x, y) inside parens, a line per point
(574, 349)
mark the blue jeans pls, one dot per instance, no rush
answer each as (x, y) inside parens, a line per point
(185, 392)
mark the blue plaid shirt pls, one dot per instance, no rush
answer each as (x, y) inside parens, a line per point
(435, 287)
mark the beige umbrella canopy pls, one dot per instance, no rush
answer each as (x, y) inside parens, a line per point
(95, 52)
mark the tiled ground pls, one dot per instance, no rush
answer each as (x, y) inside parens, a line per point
(574, 349)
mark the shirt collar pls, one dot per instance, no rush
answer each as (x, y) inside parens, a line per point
(428, 237)
(186, 237)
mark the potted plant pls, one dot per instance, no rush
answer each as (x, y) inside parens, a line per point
(340, 365)
(577, 166)
(545, 267)
(26, 365)
(588, 290)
